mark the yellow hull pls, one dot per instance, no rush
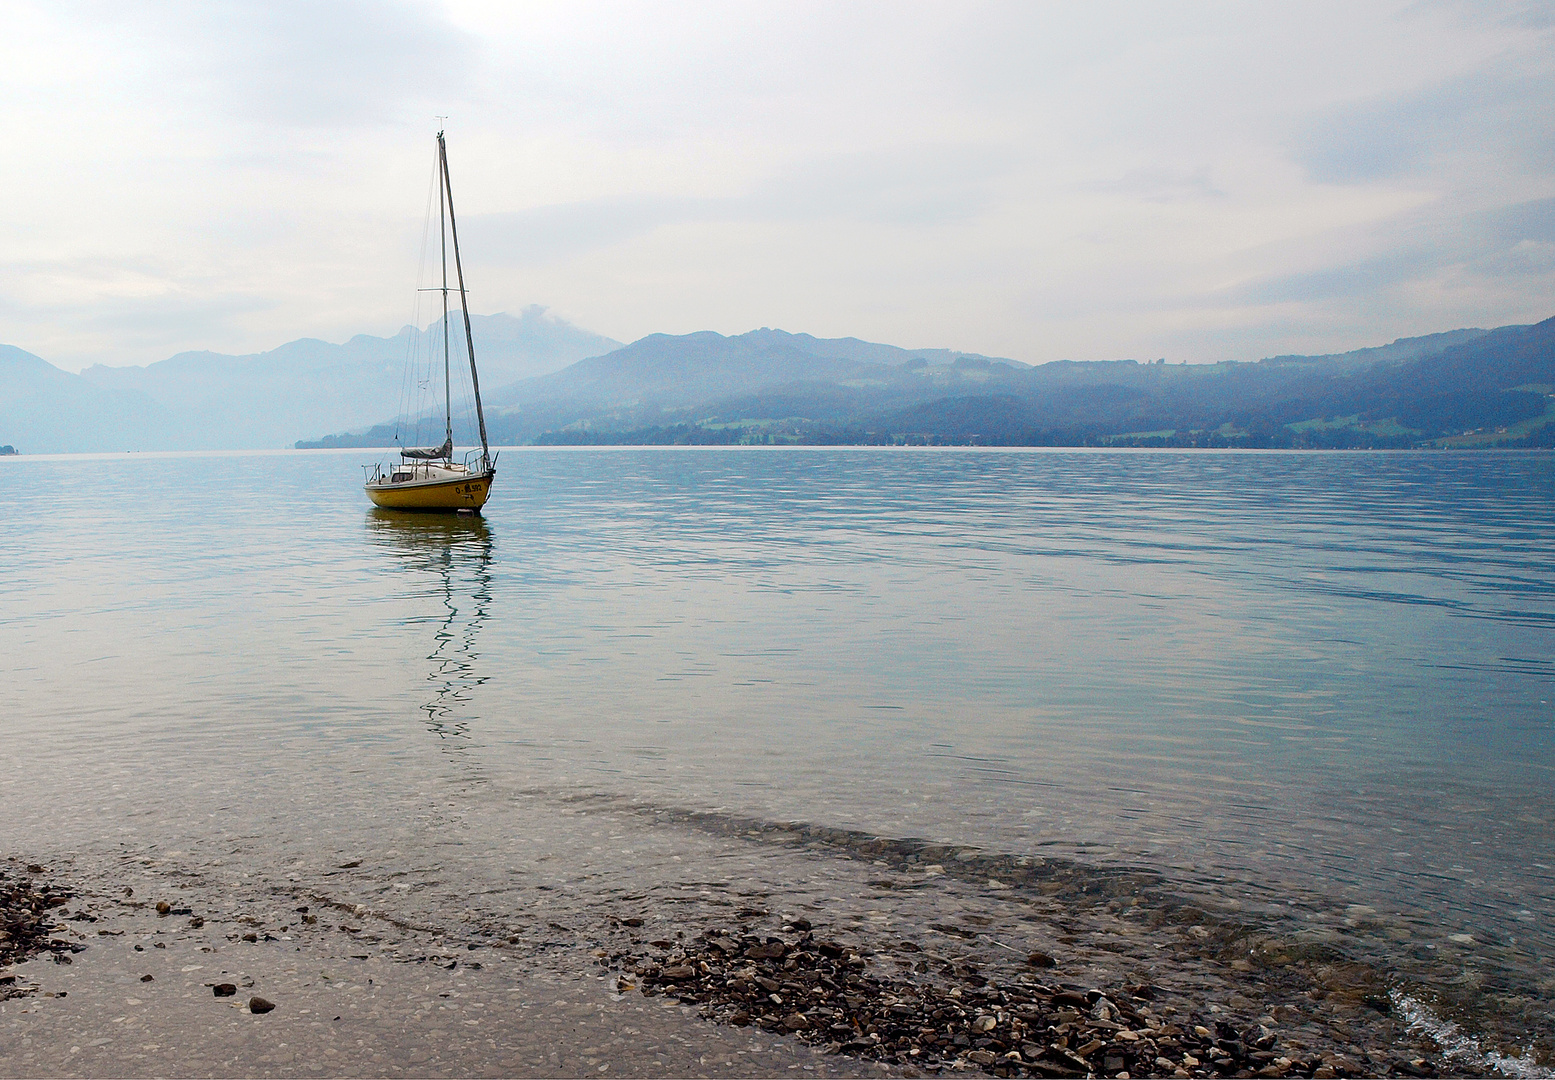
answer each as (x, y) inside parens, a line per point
(456, 493)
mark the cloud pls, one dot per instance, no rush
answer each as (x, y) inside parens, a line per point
(1496, 118)
(547, 234)
(297, 63)
(922, 187)
(1160, 185)
(1504, 242)
(1008, 178)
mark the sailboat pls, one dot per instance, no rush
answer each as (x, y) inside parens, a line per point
(428, 478)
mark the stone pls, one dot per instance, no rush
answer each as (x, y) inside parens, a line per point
(145, 978)
(795, 1022)
(260, 1005)
(196, 922)
(163, 907)
(1040, 960)
(224, 989)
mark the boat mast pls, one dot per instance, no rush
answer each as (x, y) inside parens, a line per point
(464, 304)
(442, 231)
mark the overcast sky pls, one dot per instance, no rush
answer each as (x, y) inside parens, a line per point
(1195, 181)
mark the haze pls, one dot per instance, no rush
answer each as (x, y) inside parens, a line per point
(1195, 181)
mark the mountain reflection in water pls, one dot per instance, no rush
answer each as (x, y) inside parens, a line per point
(446, 559)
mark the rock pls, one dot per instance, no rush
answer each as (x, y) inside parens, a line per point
(795, 1022)
(1041, 960)
(799, 924)
(634, 921)
(772, 950)
(163, 907)
(352, 865)
(34, 868)
(145, 978)
(196, 922)
(981, 1057)
(260, 1005)
(250, 936)
(678, 973)
(224, 989)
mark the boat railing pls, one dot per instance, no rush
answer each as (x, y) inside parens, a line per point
(476, 461)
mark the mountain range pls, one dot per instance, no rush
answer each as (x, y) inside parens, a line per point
(546, 381)
(210, 401)
(1468, 387)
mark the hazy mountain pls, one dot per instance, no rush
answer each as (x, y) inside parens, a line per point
(44, 409)
(851, 348)
(545, 380)
(666, 378)
(689, 369)
(204, 400)
(1467, 387)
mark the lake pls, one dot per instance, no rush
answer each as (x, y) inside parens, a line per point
(1310, 686)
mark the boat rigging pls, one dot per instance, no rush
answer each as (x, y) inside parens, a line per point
(428, 478)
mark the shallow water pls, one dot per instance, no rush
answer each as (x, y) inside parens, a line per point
(1317, 684)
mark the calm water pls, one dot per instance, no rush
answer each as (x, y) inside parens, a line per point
(1276, 677)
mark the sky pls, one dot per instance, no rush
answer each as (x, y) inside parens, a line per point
(1194, 181)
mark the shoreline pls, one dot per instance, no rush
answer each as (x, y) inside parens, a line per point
(1116, 984)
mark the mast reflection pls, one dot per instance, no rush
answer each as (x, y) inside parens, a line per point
(448, 556)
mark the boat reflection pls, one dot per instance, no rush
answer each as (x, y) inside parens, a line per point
(445, 558)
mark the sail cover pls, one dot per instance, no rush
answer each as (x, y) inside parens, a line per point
(431, 452)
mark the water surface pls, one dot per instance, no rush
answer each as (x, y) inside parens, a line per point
(1307, 681)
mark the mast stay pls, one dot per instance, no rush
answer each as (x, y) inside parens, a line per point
(464, 305)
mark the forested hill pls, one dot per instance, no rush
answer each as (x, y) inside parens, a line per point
(1467, 388)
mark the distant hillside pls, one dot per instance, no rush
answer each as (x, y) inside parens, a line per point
(211, 401)
(1464, 388)
(549, 382)
(44, 409)
(669, 379)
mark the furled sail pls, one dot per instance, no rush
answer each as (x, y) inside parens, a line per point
(430, 453)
